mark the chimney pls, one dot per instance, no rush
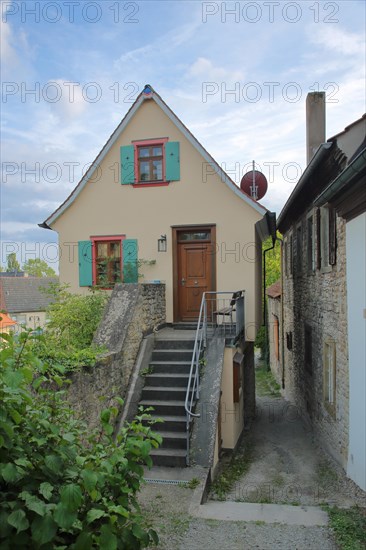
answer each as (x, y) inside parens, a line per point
(315, 123)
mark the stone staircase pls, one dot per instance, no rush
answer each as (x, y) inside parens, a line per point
(165, 390)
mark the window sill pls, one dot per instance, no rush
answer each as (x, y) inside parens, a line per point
(326, 269)
(330, 408)
(150, 184)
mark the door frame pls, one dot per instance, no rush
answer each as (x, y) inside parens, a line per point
(195, 227)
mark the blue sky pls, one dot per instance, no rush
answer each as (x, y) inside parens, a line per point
(87, 61)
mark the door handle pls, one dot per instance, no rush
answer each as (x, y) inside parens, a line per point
(196, 282)
(183, 281)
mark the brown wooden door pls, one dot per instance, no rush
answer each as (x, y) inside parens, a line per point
(194, 277)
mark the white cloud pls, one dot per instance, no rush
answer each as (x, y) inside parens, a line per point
(8, 54)
(72, 103)
(336, 39)
(204, 68)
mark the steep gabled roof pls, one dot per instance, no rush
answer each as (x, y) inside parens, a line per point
(23, 294)
(149, 94)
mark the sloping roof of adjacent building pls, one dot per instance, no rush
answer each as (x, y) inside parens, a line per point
(149, 94)
(327, 164)
(23, 294)
(347, 193)
(275, 290)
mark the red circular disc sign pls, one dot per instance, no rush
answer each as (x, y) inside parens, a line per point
(256, 189)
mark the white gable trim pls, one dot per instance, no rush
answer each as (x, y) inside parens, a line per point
(118, 131)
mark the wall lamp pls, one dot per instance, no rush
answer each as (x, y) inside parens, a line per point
(162, 244)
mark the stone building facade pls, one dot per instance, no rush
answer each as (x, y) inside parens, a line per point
(315, 342)
(314, 313)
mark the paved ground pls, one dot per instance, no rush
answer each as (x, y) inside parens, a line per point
(169, 508)
(274, 506)
(286, 465)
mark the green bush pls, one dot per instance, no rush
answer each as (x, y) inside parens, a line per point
(74, 318)
(72, 322)
(60, 485)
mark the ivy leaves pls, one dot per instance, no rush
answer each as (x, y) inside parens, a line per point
(60, 485)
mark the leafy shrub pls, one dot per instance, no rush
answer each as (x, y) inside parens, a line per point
(74, 318)
(72, 322)
(60, 485)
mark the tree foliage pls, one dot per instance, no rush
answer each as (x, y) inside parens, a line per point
(12, 263)
(60, 485)
(273, 260)
(38, 268)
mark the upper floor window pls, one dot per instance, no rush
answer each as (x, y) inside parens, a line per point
(310, 243)
(298, 249)
(150, 163)
(308, 348)
(326, 238)
(288, 255)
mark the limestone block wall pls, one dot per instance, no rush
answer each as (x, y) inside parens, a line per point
(317, 300)
(133, 311)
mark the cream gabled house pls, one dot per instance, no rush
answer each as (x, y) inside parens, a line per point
(156, 202)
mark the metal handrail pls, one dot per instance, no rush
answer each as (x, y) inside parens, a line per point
(200, 343)
(201, 337)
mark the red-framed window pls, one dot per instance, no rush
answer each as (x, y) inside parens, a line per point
(107, 260)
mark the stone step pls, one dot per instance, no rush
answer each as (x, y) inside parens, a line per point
(171, 367)
(172, 354)
(173, 440)
(174, 344)
(188, 325)
(167, 379)
(169, 457)
(163, 393)
(165, 407)
(176, 423)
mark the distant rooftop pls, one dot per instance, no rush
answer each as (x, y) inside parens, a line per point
(23, 294)
(275, 290)
(13, 274)
(6, 321)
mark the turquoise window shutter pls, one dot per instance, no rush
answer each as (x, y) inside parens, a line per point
(85, 263)
(172, 162)
(127, 164)
(130, 268)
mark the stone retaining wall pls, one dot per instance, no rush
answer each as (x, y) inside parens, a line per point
(133, 311)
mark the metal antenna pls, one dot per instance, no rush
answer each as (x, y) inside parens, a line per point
(254, 187)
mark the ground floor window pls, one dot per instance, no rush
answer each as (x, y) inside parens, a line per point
(329, 375)
(308, 349)
(108, 266)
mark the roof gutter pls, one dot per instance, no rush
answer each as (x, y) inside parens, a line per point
(341, 181)
(44, 226)
(318, 157)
